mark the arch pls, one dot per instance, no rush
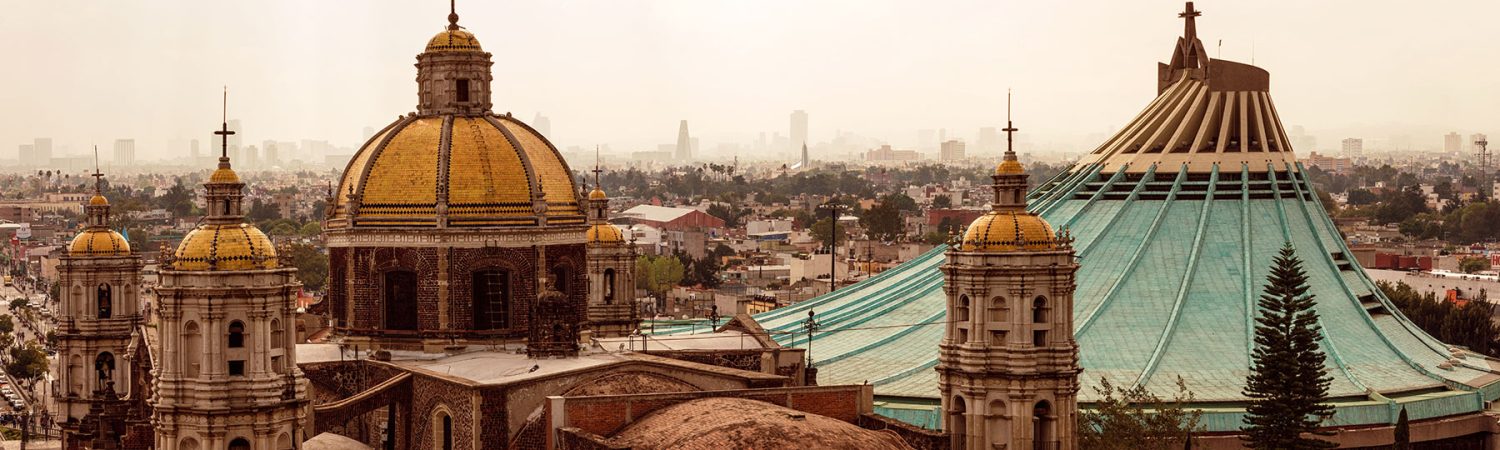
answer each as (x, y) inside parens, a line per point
(561, 276)
(963, 309)
(104, 301)
(997, 426)
(284, 442)
(239, 444)
(104, 370)
(1041, 426)
(187, 443)
(491, 294)
(278, 334)
(442, 428)
(400, 298)
(192, 349)
(1039, 309)
(957, 411)
(236, 334)
(999, 310)
(609, 286)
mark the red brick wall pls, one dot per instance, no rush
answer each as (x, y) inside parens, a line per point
(605, 415)
(427, 394)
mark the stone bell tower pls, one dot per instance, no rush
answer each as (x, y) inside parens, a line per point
(612, 310)
(99, 283)
(1008, 365)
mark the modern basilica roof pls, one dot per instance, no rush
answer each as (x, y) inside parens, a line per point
(1176, 220)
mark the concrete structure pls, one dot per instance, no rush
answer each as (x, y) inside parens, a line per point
(951, 150)
(1329, 163)
(887, 154)
(99, 289)
(1008, 364)
(124, 152)
(684, 149)
(1453, 143)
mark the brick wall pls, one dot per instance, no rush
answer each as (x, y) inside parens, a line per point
(569, 438)
(606, 415)
(427, 394)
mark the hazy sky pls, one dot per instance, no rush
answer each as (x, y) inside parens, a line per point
(623, 72)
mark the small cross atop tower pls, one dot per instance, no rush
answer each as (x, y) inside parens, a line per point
(597, 170)
(98, 175)
(224, 146)
(1010, 127)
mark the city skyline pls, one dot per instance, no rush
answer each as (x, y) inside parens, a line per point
(322, 72)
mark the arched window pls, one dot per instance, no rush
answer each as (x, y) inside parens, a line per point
(75, 375)
(957, 412)
(236, 334)
(104, 301)
(104, 369)
(963, 309)
(491, 300)
(609, 286)
(1041, 421)
(998, 428)
(278, 335)
(401, 300)
(999, 310)
(560, 279)
(187, 443)
(442, 431)
(1039, 310)
(284, 442)
(239, 444)
(192, 349)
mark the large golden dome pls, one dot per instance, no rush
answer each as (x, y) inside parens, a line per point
(237, 246)
(1008, 231)
(99, 242)
(453, 41)
(489, 170)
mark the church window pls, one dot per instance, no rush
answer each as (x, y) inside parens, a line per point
(463, 90)
(278, 335)
(284, 442)
(1039, 338)
(997, 337)
(442, 424)
(491, 300)
(104, 301)
(237, 368)
(1039, 310)
(999, 311)
(401, 300)
(1042, 426)
(609, 286)
(560, 279)
(277, 365)
(999, 424)
(236, 334)
(961, 314)
(957, 429)
(188, 443)
(192, 349)
(104, 369)
(239, 444)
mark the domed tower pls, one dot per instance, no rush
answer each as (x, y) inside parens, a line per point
(1008, 364)
(451, 223)
(611, 267)
(99, 281)
(228, 375)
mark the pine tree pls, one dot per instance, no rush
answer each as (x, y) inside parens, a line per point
(1287, 385)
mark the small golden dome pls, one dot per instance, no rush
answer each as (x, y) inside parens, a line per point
(453, 41)
(1010, 167)
(99, 242)
(98, 200)
(1008, 231)
(224, 176)
(597, 194)
(225, 247)
(605, 233)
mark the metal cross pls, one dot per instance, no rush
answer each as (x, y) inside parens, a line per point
(224, 147)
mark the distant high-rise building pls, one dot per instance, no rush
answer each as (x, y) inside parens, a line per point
(804, 155)
(684, 143)
(1354, 147)
(799, 132)
(1453, 142)
(124, 152)
(1300, 140)
(23, 153)
(238, 138)
(542, 124)
(41, 153)
(989, 141)
(952, 150)
(273, 154)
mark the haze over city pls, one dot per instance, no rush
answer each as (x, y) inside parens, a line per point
(623, 73)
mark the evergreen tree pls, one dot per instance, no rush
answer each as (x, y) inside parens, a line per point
(1287, 385)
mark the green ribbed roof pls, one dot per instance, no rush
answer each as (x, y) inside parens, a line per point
(1171, 265)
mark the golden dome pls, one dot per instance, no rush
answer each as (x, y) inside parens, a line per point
(99, 242)
(491, 168)
(1008, 231)
(236, 246)
(453, 41)
(1010, 167)
(605, 233)
(597, 194)
(224, 176)
(98, 200)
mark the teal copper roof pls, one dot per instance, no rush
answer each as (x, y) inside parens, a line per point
(1171, 265)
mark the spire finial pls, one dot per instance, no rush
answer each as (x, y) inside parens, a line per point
(1010, 130)
(452, 15)
(224, 146)
(98, 176)
(597, 169)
